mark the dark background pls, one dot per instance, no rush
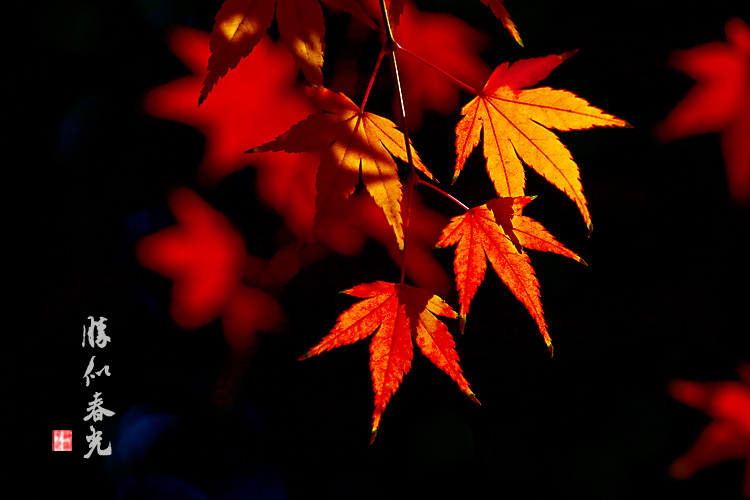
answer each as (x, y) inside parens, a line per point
(664, 297)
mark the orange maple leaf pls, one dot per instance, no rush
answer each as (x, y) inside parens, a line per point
(496, 232)
(516, 124)
(502, 13)
(398, 314)
(525, 231)
(352, 142)
(728, 436)
(240, 25)
(719, 102)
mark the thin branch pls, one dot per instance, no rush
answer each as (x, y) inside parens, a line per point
(390, 45)
(458, 82)
(372, 79)
(449, 196)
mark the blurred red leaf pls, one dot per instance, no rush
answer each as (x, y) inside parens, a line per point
(206, 258)
(719, 102)
(361, 218)
(728, 436)
(255, 103)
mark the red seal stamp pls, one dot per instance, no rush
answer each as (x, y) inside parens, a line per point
(62, 440)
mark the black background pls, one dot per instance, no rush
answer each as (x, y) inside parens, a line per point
(664, 297)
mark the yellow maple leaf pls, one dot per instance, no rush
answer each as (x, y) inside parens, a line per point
(353, 142)
(516, 126)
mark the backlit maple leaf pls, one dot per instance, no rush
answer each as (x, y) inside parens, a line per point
(256, 103)
(728, 436)
(496, 232)
(206, 258)
(241, 24)
(398, 314)
(719, 102)
(515, 124)
(525, 231)
(352, 142)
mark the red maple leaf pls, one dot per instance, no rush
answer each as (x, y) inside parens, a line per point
(254, 103)
(206, 258)
(398, 314)
(728, 436)
(497, 232)
(719, 102)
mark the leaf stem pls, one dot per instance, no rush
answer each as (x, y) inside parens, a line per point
(390, 45)
(372, 79)
(461, 84)
(449, 196)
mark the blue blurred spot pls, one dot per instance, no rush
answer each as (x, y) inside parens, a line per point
(76, 129)
(148, 220)
(162, 13)
(158, 487)
(265, 483)
(138, 432)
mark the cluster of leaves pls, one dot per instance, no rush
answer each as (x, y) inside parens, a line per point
(350, 145)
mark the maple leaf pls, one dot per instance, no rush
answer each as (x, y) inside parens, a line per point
(719, 102)
(495, 232)
(728, 436)
(515, 124)
(524, 231)
(247, 109)
(352, 141)
(206, 258)
(254, 104)
(398, 314)
(502, 13)
(240, 25)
